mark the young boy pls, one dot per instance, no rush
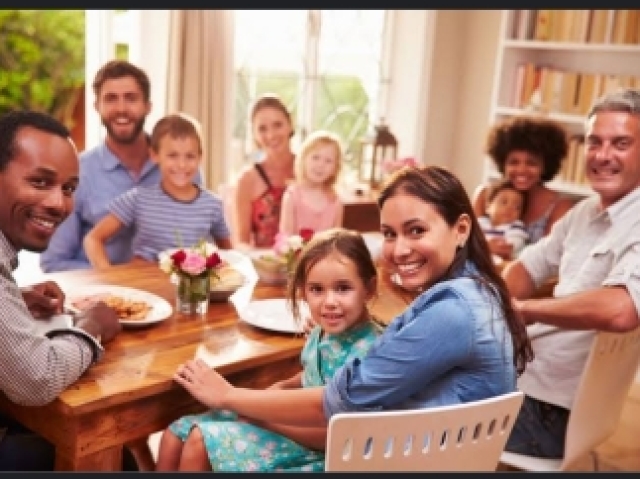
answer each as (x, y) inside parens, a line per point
(505, 205)
(175, 213)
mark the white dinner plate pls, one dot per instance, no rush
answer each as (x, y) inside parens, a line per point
(272, 314)
(160, 308)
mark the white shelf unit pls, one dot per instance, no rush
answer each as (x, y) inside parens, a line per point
(584, 58)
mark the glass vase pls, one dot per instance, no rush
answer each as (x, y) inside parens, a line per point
(192, 294)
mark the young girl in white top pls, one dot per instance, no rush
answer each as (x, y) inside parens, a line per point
(312, 201)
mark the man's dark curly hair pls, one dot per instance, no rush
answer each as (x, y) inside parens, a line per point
(539, 136)
(13, 121)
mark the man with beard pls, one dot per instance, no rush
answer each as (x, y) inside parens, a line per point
(38, 176)
(116, 165)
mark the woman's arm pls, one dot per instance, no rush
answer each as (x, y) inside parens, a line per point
(293, 382)
(96, 238)
(296, 407)
(287, 218)
(243, 197)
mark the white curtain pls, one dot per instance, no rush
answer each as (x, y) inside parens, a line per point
(200, 82)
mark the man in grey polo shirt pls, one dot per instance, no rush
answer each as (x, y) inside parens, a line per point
(594, 250)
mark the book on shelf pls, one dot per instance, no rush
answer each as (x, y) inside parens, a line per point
(518, 86)
(562, 25)
(572, 169)
(564, 91)
(619, 30)
(587, 93)
(632, 35)
(526, 24)
(543, 25)
(598, 27)
(530, 83)
(569, 92)
(578, 26)
(625, 27)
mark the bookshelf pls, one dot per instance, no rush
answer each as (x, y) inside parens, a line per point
(556, 63)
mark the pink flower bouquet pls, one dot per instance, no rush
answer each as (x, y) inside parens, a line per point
(195, 269)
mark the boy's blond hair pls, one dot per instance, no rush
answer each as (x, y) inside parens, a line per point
(315, 139)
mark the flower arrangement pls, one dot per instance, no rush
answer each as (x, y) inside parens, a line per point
(275, 267)
(194, 268)
(391, 166)
(200, 260)
(288, 247)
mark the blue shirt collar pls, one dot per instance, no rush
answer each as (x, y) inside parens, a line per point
(110, 162)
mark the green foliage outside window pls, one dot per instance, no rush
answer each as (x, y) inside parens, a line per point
(42, 63)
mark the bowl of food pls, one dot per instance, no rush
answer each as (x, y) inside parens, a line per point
(271, 269)
(224, 282)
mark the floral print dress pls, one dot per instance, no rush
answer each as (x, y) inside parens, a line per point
(233, 445)
(265, 213)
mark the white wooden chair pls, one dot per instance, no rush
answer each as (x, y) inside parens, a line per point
(463, 437)
(608, 374)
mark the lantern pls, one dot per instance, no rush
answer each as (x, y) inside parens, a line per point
(374, 151)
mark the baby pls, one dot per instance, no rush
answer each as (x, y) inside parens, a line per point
(505, 205)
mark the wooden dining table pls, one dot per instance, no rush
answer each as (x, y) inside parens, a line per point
(130, 392)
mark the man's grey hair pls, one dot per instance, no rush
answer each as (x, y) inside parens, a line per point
(626, 101)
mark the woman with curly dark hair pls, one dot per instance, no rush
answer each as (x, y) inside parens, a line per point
(528, 151)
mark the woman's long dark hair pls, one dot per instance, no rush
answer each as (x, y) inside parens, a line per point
(441, 189)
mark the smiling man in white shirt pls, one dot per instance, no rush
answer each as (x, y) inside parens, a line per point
(594, 250)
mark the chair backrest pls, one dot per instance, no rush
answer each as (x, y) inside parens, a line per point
(462, 437)
(603, 389)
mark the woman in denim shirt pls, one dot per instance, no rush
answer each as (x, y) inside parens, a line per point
(458, 341)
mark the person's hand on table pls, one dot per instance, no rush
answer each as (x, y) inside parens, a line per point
(500, 247)
(203, 383)
(100, 321)
(44, 299)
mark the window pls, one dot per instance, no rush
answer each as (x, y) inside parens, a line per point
(331, 67)
(328, 66)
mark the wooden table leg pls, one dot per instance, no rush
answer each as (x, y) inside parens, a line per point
(109, 459)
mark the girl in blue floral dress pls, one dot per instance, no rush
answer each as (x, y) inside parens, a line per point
(336, 277)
